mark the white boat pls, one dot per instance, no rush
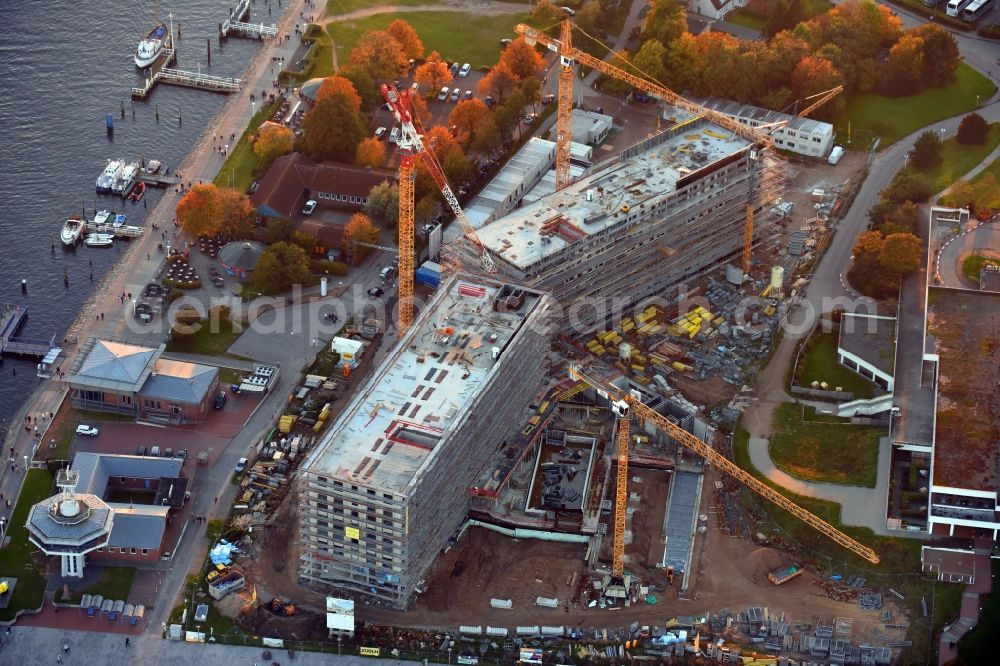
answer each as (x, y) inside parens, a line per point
(107, 178)
(99, 240)
(72, 228)
(149, 49)
(153, 166)
(240, 10)
(101, 217)
(125, 179)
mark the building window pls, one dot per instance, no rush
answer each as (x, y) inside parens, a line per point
(100, 550)
(131, 551)
(121, 550)
(145, 551)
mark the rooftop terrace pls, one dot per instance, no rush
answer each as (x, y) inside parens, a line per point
(642, 176)
(963, 329)
(872, 339)
(401, 418)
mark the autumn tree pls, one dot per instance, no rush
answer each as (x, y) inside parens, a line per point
(531, 88)
(378, 53)
(900, 253)
(941, 56)
(280, 267)
(987, 196)
(364, 84)
(866, 274)
(199, 211)
(499, 83)
(457, 168)
(273, 141)
(522, 60)
(650, 59)
(465, 118)
(665, 22)
(359, 229)
(785, 15)
(332, 129)
(813, 75)
(973, 130)
(339, 85)
(508, 115)
(545, 11)
(383, 203)
(426, 208)
(407, 38)
(434, 73)
(960, 194)
(371, 152)
(902, 218)
(926, 152)
(236, 213)
(904, 70)
(486, 136)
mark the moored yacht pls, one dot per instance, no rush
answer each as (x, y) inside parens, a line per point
(150, 48)
(107, 178)
(71, 230)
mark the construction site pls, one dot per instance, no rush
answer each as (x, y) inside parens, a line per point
(541, 445)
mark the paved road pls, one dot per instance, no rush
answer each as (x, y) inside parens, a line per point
(37, 645)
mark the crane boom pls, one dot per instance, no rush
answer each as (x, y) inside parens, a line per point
(586, 374)
(410, 140)
(570, 53)
(824, 97)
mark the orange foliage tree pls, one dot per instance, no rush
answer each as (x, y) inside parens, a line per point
(359, 229)
(333, 85)
(236, 213)
(466, 117)
(522, 59)
(434, 73)
(371, 152)
(199, 210)
(407, 38)
(272, 141)
(499, 83)
(379, 54)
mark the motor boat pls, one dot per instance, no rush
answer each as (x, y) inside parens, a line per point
(153, 166)
(71, 230)
(99, 240)
(107, 178)
(137, 191)
(125, 179)
(150, 48)
(119, 220)
(101, 218)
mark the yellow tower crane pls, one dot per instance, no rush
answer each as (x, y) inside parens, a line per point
(411, 148)
(624, 403)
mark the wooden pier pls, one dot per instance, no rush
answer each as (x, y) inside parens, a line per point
(11, 319)
(123, 231)
(161, 73)
(158, 179)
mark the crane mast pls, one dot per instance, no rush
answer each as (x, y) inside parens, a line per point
(588, 375)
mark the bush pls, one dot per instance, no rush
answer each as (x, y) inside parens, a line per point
(908, 186)
(331, 267)
(927, 151)
(974, 130)
(990, 30)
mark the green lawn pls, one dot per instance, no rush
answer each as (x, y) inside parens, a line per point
(479, 42)
(891, 118)
(15, 559)
(205, 341)
(819, 363)
(115, 583)
(957, 160)
(820, 451)
(977, 646)
(747, 20)
(337, 7)
(243, 165)
(974, 263)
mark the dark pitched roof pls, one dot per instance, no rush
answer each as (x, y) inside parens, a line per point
(327, 234)
(281, 188)
(284, 186)
(241, 254)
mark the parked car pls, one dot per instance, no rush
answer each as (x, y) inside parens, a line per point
(309, 207)
(569, 11)
(394, 135)
(387, 273)
(489, 101)
(530, 117)
(88, 430)
(504, 43)
(380, 132)
(464, 71)
(253, 187)
(168, 452)
(241, 465)
(455, 67)
(375, 292)
(220, 399)
(140, 450)
(467, 95)
(455, 94)
(182, 454)
(548, 99)
(443, 95)
(154, 451)
(641, 96)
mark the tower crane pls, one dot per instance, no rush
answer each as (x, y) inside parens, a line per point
(411, 148)
(623, 403)
(570, 55)
(824, 97)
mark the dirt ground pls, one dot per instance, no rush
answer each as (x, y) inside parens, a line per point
(647, 507)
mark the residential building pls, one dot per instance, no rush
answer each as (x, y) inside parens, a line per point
(294, 179)
(714, 9)
(388, 486)
(125, 378)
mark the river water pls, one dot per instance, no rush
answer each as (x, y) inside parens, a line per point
(64, 65)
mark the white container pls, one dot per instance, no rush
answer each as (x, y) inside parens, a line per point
(625, 352)
(777, 277)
